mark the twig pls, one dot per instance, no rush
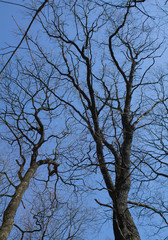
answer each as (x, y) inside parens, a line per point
(38, 10)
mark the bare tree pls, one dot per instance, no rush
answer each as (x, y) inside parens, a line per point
(21, 107)
(94, 73)
(34, 130)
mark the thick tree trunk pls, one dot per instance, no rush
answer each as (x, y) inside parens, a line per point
(123, 224)
(9, 214)
(124, 227)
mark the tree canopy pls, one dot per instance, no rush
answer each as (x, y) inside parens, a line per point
(84, 122)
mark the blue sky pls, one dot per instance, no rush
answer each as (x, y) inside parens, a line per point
(8, 36)
(7, 24)
(7, 29)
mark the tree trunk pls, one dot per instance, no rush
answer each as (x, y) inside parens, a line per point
(124, 226)
(9, 214)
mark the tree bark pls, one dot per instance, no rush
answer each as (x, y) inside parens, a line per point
(9, 214)
(123, 224)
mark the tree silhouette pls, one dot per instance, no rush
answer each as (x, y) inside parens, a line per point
(86, 102)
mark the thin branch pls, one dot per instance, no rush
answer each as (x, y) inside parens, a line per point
(102, 204)
(17, 4)
(148, 111)
(149, 207)
(25, 34)
(11, 183)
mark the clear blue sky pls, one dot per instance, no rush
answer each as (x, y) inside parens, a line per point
(7, 35)
(8, 27)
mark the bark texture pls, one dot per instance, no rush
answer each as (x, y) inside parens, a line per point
(124, 226)
(9, 214)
